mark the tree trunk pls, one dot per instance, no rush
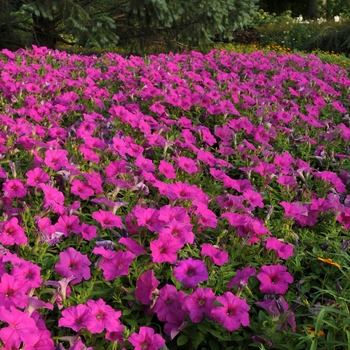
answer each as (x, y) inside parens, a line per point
(312, 9)
(44, 33)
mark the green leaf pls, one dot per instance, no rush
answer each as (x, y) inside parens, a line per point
(182, 340)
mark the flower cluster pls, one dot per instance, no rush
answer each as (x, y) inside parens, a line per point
(137, 195)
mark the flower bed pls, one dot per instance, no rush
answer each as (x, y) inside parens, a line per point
(173, 202)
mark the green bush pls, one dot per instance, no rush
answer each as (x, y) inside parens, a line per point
(332, 38)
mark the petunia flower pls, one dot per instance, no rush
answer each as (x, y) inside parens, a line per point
(107, 219)
(280, 309)
(165, 248)
(12, 233)
(102, 317)
(81, 189)
(242, 277)
(114, 264)
(283, 250)
(14, 189)
(75, 317)
(168, 306)
(36, 176)
(219, 257)
(274, 279)
(146, 339)
(199, 303)
(145, 286)
(73, 263)
(167, 169)
(190, 272)
(233, 313)
(21, 328)
(56, 159)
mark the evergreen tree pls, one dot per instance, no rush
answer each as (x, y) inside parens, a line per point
(140, 25)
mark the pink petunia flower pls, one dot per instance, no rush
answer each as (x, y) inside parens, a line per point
(88, 232)
(242, 277)
(102, 317)
(181, 231)
(190, 272)
(107, 219)
(279, 308)
(12, 291)
(284, 251)
(21, 328)
(168, 306)
(73, 263)
(199, 303)
(14, 189)
(132, 246)
(165, 248)
(145, 286)
(53, 197)
(28, 273)
(56, 159)
(67, 224)
(36, 176)
(146, 339)
(274, 279)
(233, 313)
(12, 233)
(81, 189)
(114, 264)
(75, 317)
(167, 169)
(218, 256)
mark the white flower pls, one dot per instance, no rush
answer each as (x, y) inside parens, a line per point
(336, 18)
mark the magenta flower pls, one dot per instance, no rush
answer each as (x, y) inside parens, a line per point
(81, 189)
(167, 169)
(218, 256)
(102, 317)
(254, 198)
(53, 197)
(21, 328)
(187, 164)
(114, 264)
(12, 291)
(284, 251)
(280, 309)
(242, 277)
(168, 306)
(107, 219)
(199, 303)
(28, 273)
(165, 248)
(145, 286)
(67, 224)
(181, 231)
(73, 263)
(233, 313)
(274, 279)
(190, 272)
(56, 159)
(12, 233)
(132, 246)
(36, 176)
(88, 232)
(14, 189)
(146, 339)
(75, 317)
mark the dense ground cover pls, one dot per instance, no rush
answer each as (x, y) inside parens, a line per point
(182, 201)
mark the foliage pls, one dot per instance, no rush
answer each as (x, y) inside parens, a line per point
(331, 38)
(141, 26)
